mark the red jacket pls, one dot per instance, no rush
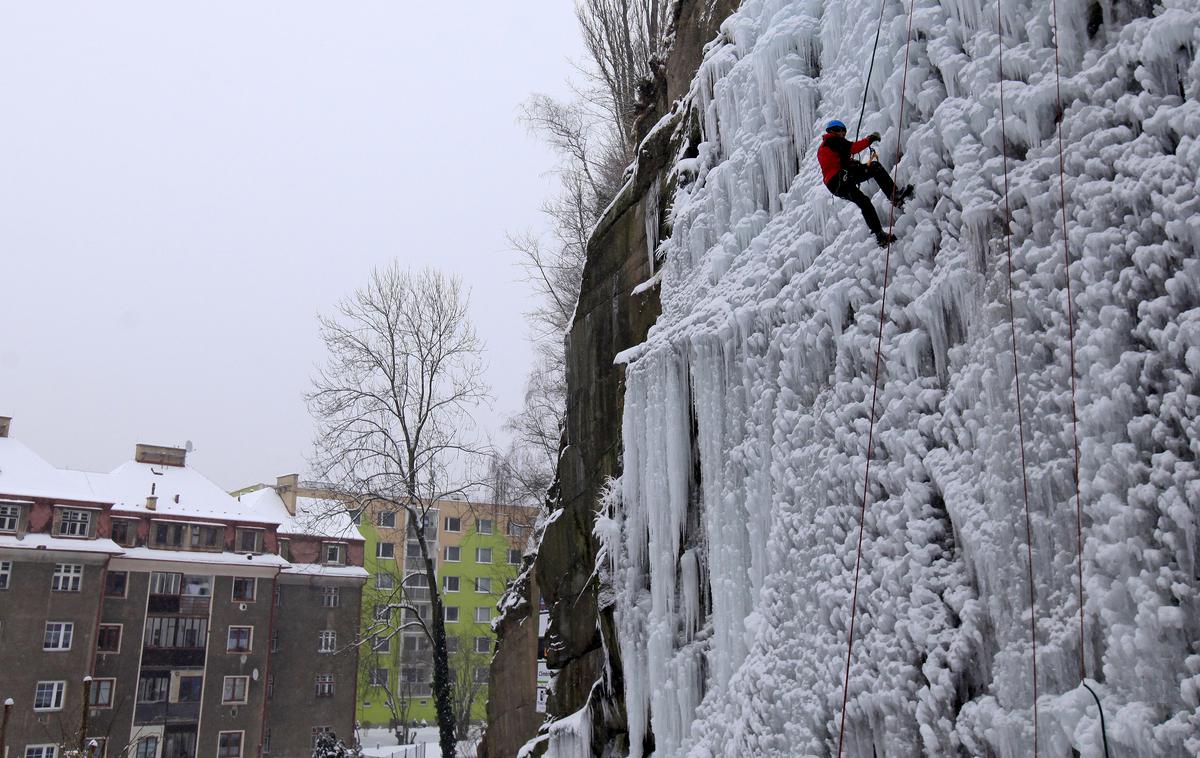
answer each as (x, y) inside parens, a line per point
(835, 152)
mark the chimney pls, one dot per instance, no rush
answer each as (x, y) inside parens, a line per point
(5, 422)
(159, 455)
(151, 502)
(285, 487)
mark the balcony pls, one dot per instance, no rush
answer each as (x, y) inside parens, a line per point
(184, 605)
(166, 713)
(175, 657)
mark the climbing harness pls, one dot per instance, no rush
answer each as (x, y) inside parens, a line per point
(887, 258)
(1012, 322)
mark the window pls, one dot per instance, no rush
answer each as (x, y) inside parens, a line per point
(278, 595)
(73, 523)
(356, 516)
(452, 645)
(324, 685)
(285, 552)
(41, 751)
(481, 674)
(451, 613)
(378, 678)
(270, 686)
(116, 584)
(108, 638)
(412, 549)
(239, 639)
(197, 586)
(483, 525)
(229, 745)
(483, 644)
(48, 696)
(515, 529)
(387, 519)
(176, 632)
(67, 577)
(483, 584)
(452, 553)
(207, 537)
(153, 688)
(101, 693)
(190, 688)
(249, 541)
(483, 615)
(168, 534)
(274, 640)
(450, 583)
(385, 550)
(383, 612)
(483, 555)
(147, 747)
(124, 532)
(382, 644)
(453, 524)
(165, 583)
(233, 690)
(327, 641)
(244, 590)
(514, 557)
(384, 582)
(331, 597)
(5, 574)
(58, 635)
(267, 740)
(334, 553)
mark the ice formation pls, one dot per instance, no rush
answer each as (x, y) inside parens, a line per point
(732, 540)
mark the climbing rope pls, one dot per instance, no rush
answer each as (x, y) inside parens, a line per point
(887, 258)
(1017, 376)
(870, 69)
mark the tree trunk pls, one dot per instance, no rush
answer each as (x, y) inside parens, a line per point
(443, 685)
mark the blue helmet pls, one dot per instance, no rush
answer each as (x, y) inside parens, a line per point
(835, 124)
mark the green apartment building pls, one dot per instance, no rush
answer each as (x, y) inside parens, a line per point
(478, 548)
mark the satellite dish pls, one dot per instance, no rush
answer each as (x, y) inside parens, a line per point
(188, 446)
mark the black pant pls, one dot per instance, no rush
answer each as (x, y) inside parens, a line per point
(845, 183)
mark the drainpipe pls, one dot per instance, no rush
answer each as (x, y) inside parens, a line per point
(8, 704)
(83, 724)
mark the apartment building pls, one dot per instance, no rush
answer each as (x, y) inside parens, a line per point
(477, 549)
(190, 622)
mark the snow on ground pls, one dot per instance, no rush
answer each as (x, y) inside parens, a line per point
(734, 584)
(382, 743)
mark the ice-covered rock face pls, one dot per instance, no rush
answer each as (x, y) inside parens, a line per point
(735, 524)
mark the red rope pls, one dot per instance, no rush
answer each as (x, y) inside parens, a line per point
(1017, 377)
(1062, 193)
(862, 515)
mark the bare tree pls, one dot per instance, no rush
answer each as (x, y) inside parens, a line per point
(393, 406)
(470, 680)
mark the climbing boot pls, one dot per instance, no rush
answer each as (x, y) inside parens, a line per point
(884, 239)
(902, 196)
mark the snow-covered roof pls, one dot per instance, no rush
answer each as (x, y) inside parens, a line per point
(315, 517)
(25, 473)
(42, 541)
(198, 497)
(325, 570)
(197, 556)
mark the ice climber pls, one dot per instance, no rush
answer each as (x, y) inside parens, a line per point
(843, 174)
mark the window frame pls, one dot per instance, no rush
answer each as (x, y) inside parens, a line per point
(67, 528)
(58, 693)
(17, 510)
(65, 632)
(233, 679)
(323, 685)
(100, 632)
(5, 575)
(109, 576)
(514, 529)
(446, 583)
(222, 751)
(331, 592)
(447, 611)
(176, 585)
(479, 555)
(446, 554)
(340, 547)
(514, 553)
(479, 591)
(42, 751)
(479, 526)
(457, 524)
(73, 575)
(233, 589)
(385, 516)
(242, 531)
(390, 583)
(93, 690)
(487, 644)
(327, 641)
(484, 609)
(130, 537)
(249, 642)
(139, 748)
(379, 552)
(373, 680)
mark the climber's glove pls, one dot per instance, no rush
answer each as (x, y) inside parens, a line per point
(873, 137)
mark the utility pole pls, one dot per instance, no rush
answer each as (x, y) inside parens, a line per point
(83, 724)
(8, 704)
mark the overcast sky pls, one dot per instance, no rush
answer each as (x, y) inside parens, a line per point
(183, 186)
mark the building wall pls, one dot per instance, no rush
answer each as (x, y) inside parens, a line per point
(294, 709)
(28, 604)
(130, 612)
